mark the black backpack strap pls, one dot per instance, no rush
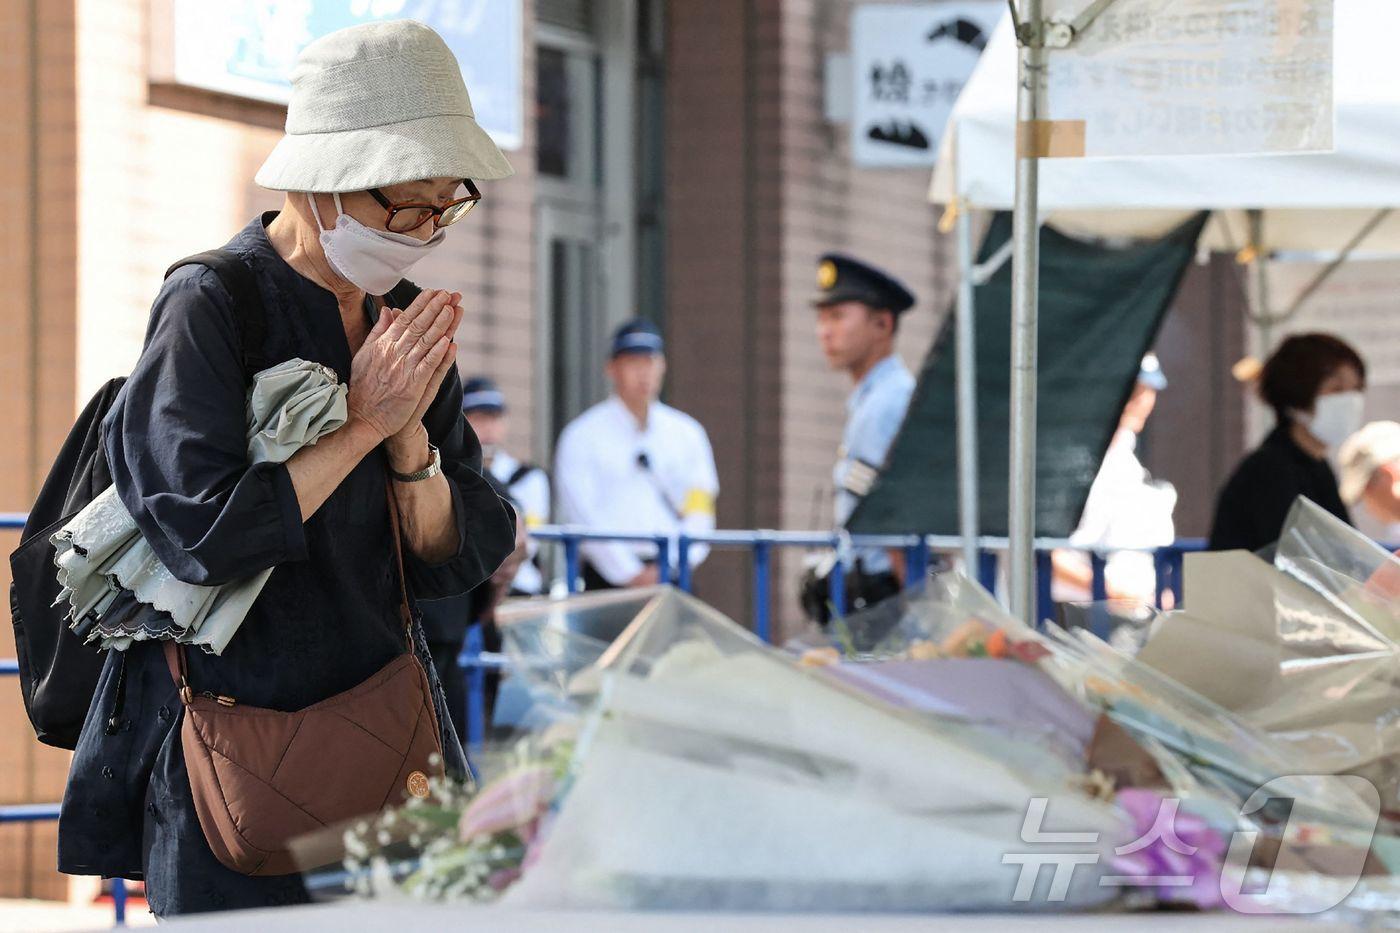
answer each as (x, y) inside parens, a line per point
(522, 471)
(248, 310)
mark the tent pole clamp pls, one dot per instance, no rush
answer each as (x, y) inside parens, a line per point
(1056, 33)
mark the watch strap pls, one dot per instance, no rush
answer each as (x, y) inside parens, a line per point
(433, 468)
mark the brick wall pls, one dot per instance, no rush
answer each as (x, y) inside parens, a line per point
(37, 255)
(759, 184)
(722, 309)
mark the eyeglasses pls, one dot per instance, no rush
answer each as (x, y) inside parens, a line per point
(410, 215)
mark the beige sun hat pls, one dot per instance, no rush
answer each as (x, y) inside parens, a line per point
(379, 104)
(1365, 452)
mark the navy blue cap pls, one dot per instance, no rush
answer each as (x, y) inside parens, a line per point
(480, 393)
(637, 336)
(842, 278)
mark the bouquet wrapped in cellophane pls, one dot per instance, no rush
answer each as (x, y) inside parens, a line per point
(1312, 834)
(1306, 649)
(714, 772)
(691, 766)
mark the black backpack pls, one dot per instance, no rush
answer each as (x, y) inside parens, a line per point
(57, 673)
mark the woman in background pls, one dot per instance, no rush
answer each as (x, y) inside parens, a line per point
(1314, 384)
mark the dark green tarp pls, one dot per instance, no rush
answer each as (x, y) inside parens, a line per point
(1100, 310)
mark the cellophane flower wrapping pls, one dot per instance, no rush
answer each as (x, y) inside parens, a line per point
(690, 766)
(1211, 761)
(1305, 650)
(714, 772)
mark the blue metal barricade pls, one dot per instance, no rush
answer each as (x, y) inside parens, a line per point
(572, 540)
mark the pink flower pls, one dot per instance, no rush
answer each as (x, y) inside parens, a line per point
(1028, 651)
(503, 878)
(513, 801)
(539, 833)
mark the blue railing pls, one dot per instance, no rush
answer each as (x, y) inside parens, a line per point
(917, 550)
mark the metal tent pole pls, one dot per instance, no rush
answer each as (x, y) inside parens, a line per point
(968, 499)
(1263, 305)
(1025, 284)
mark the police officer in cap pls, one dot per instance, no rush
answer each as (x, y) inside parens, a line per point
(484, 405)
(634, 465)
(858, 308)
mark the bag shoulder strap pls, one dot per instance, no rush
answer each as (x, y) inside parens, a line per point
(522, 471)
(396, 532)
(248, 311)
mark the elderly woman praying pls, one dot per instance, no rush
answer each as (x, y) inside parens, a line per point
(381, 157)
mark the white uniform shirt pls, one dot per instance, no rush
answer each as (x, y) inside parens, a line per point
(602, 483)
(874, 413)
(530, 494)
(1126, 508)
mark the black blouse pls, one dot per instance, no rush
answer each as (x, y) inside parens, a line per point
(1254, 504)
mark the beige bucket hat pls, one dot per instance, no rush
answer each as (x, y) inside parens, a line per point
(379, 104)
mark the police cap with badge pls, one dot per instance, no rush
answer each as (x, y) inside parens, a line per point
(843, 278)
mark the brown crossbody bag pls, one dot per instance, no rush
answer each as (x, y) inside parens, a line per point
(261, 778)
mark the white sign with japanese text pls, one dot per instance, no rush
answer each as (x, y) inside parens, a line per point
(1193, 77)
(910, 62)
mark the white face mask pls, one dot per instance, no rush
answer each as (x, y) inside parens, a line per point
(374, 260)
(1335, 417)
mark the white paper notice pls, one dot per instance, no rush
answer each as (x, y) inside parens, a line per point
(909, 64)
(1194, 77)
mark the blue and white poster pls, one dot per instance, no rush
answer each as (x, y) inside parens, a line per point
(248, 47)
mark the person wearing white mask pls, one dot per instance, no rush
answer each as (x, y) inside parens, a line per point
(380, 156)
(1314, 384)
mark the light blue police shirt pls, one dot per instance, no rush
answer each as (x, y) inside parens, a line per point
(873, 415)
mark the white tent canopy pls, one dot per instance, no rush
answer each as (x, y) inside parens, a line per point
(1313, 203)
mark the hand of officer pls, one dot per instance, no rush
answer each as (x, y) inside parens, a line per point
(390, 373)
(648, 577)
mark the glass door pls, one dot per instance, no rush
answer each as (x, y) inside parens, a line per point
(599, 182)
(575, 331)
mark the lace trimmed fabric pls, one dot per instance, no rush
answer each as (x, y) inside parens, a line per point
(103, 562)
